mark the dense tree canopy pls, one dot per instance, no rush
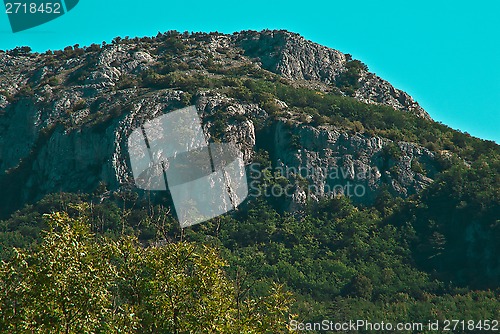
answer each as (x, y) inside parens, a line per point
(74, 281)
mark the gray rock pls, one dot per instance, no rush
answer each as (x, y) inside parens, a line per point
(294, 57)
(70, 136)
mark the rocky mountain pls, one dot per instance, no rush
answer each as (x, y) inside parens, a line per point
(293, 57)
(419, 233)
(65, 115)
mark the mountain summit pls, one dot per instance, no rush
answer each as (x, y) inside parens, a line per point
(65, 115)
(293, 57)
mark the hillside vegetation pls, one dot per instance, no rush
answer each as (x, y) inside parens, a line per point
(83, 254)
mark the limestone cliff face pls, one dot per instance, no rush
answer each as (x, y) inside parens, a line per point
(64, 120)
(294, 57)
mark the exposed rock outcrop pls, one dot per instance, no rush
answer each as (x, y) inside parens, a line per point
(65, 118)
(294, 57)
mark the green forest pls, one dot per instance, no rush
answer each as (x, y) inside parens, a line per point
(125, 266)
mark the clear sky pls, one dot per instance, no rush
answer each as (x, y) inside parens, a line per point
(446, 54)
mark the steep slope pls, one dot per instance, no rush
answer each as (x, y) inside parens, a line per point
(66, 114)
(295, 58)
(419, 233)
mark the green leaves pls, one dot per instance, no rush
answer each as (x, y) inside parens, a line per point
(77, 282)
(62, 285)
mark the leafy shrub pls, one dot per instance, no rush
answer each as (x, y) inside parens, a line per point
(348, 80)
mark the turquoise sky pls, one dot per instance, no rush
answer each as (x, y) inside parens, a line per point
(444, 53)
